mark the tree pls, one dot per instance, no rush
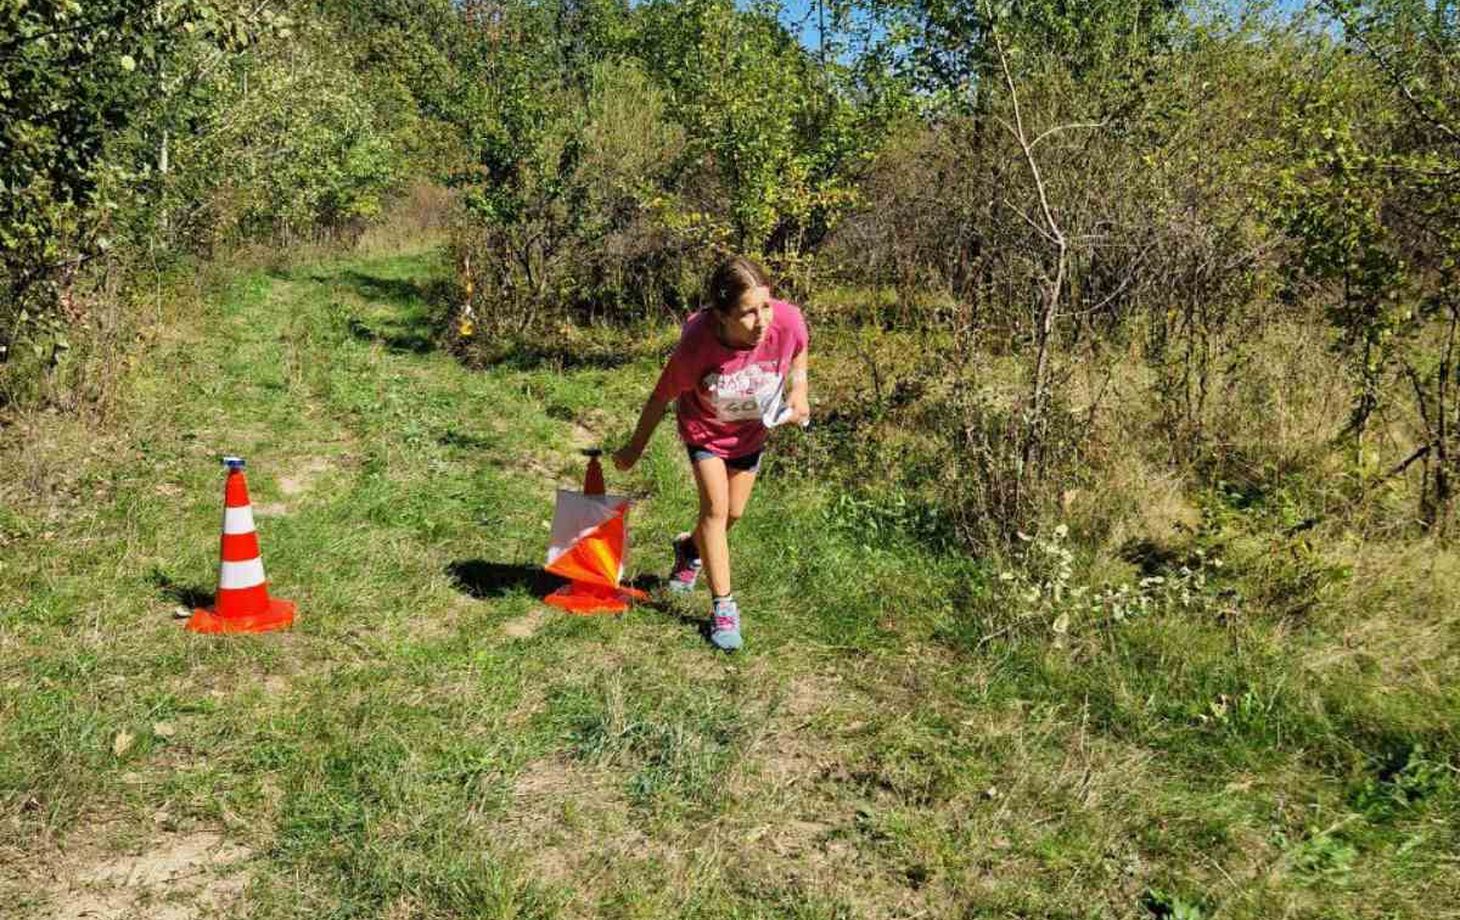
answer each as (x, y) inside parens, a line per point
(72, 77)
(1373, 197)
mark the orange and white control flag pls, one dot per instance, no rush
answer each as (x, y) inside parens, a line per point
(589, 540)
(588, 546)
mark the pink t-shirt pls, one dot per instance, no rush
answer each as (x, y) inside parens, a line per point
(723, 393)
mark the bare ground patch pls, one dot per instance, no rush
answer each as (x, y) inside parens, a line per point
(588, 428)
(525, 626)
(439, 623)
(552, 469)
(299, 481)
(298, 657)
(792, 751)
(171, 876)
(570, 826)
(301, 478)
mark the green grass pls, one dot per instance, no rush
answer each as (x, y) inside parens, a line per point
(430, 741)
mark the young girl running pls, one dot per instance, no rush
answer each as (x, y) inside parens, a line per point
(728, 377)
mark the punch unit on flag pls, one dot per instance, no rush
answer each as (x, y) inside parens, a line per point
(588, 546)
(242, 603)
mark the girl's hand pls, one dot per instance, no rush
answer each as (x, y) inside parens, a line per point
(800, 411)
(625, 457)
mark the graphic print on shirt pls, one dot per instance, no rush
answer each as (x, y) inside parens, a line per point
(745, 394)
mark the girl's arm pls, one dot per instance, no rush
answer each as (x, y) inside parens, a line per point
(625, 457)
(676, 377)
(800, 401)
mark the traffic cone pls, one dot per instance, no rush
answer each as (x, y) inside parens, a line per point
(242, 603)
(593, 479)
(588, 546)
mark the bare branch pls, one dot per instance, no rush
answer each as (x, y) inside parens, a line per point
(1391, 71)
(1066, 127)
(1125, 282)
(1403, 465)
(1023, 138)
(1029, 220)
(7, 47)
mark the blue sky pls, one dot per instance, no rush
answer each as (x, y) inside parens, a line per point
(800, 15)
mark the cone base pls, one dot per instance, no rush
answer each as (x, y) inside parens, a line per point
(280, 614)
(586, 599)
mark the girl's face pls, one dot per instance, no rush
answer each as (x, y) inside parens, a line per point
(745, 324)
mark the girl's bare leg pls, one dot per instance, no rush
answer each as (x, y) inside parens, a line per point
(724, 493)
(740, 482)
(709, 533)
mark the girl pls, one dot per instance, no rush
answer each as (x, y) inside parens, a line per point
(728, 375)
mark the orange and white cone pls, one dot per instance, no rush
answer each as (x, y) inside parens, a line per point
(242, 603)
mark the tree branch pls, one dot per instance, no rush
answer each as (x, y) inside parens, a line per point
(1390, 71)
(1067, 127)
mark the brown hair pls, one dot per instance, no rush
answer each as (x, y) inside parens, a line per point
(731, 279)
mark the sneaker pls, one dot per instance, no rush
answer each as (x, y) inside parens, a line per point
(687, 565)
(725, 624)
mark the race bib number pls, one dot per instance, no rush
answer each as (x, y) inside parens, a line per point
(745, 395)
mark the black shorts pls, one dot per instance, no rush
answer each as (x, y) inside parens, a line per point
(750, 463)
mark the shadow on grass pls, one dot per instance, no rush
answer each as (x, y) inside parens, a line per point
(397, 337)
(531, 356)
(411, 327)
(453, 437)
(657, 587)
(402, 292)
(189, 596)
(1152, 557)
(482, 579)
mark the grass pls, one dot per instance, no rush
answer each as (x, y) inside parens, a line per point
(902, 736)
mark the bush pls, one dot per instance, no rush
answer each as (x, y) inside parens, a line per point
(301, 149)
(606, 190)
(132, 136)
(583, 224)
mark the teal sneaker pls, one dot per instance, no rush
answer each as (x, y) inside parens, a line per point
(725, 624)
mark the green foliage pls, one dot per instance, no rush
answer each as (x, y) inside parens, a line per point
(579, 215)
(947, 47)
(605, 188)
(1041, 591)
(161, 130)
(1166, 906)
(1371, 195)
(1330, 198)
(72, 77)
(1402, 786)
(763, 122)
(409, 48)
(302, 149)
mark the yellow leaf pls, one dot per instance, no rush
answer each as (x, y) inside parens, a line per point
(122, 742)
